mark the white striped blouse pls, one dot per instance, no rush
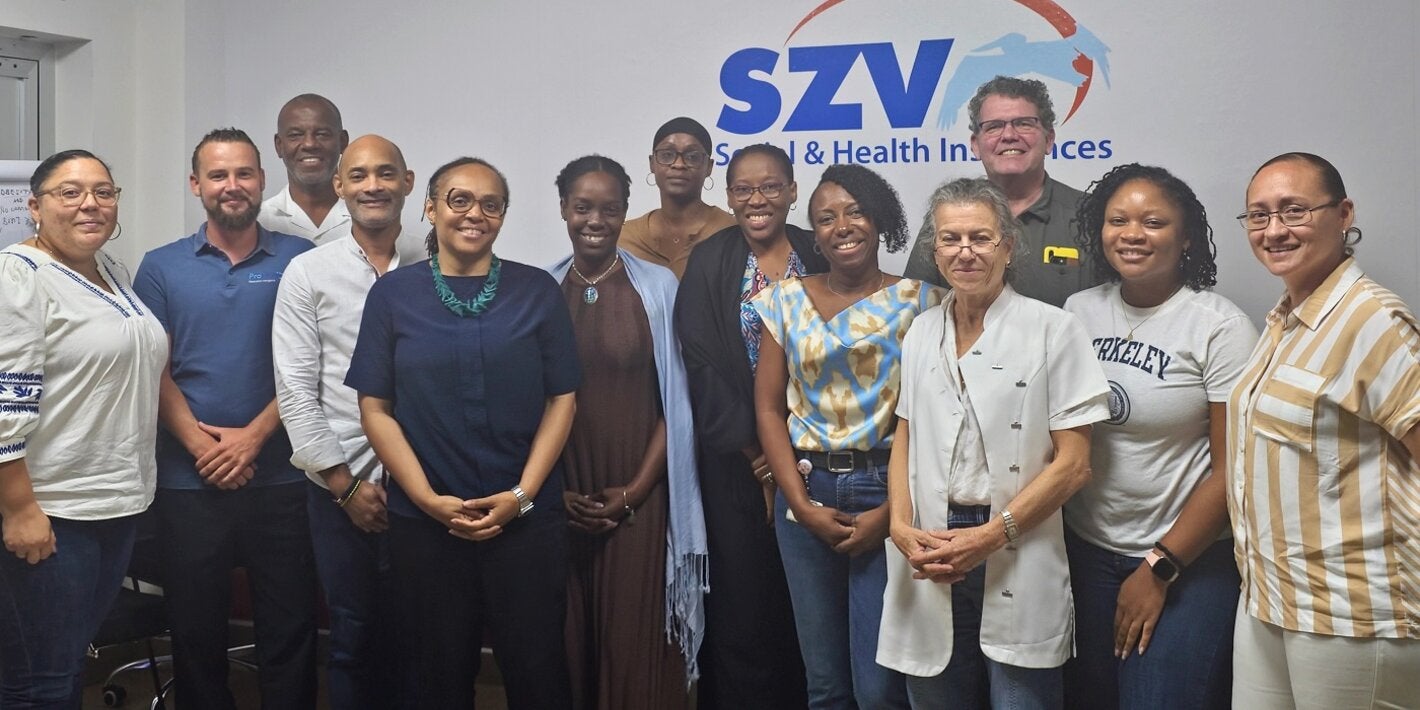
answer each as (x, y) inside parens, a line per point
(1324, 498)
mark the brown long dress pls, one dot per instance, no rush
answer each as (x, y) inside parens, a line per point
(616, 642)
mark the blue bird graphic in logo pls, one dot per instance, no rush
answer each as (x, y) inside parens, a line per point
(1014, 55)
(1070, 59)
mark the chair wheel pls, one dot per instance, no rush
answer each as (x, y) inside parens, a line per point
(114, 695)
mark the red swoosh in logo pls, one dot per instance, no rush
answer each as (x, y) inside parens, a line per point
(1047, 9)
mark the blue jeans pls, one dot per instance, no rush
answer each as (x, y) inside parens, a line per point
(838, 600)
(364, 666)
(1190, 657)
(971, 680)
(49, 612)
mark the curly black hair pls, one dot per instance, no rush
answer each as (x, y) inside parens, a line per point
(1198, 267)
(877, 199)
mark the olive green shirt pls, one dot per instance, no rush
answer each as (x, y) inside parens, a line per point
(1050, 222)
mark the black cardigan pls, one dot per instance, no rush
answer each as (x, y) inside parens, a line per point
(707, 320)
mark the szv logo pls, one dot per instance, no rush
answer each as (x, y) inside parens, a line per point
(905, 100)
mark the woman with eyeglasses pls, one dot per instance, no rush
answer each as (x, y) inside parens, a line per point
(1323, 439)
(750, 657)
(80, 361)
(681, 159)
(466, 367)
(825, 391)
(635, 614)
(998, 395)
(1151, 565)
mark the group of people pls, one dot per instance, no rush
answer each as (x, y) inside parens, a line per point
(1046, 467)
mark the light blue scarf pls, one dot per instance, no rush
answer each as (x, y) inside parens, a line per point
(687, 577)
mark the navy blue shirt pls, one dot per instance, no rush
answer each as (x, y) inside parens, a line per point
(218, 315)
(469, 393)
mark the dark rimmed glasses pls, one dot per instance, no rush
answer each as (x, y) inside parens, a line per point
(770, 190)
(692, 158)
(461, 201)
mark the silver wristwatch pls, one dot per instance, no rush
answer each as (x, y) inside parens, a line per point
(1013, 533)
(525, 504)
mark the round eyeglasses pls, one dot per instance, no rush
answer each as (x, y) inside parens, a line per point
(461, 201)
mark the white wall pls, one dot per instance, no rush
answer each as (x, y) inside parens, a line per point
(118, 67)
(1208, 89)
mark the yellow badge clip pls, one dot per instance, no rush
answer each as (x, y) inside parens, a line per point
(1061, 255)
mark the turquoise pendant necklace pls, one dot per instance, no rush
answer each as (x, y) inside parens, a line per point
(474, 306)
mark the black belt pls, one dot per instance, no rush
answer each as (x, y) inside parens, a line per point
(846, 461)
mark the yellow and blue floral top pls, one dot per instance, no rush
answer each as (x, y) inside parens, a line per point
(844, 373)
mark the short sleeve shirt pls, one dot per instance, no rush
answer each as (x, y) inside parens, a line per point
(469, 392)
(844, 373)
(218, 316)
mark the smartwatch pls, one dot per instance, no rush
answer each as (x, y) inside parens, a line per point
(525, 504)
(1162, 566)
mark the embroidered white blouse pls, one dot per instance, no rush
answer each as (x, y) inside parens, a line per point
(79, 373)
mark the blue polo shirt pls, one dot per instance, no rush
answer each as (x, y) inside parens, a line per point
(218, 316)
(469, 393)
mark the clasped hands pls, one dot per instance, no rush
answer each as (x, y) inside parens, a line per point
(847, 534)
(475, 519)
(597, 513)
(226, 458)
(945, 556)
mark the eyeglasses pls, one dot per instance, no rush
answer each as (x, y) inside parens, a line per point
(770, 190)
(1024, 124)
(1291, 216)
(979, 245)
(70, 196)
(692, 158)
(461, 201)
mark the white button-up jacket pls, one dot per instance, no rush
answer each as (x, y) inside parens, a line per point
(1030, 373)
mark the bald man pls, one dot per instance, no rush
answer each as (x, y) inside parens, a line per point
(318, 311)
(309, 140)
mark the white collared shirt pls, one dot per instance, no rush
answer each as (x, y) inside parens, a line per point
(79, 373)
(280, 213)
(318, 309)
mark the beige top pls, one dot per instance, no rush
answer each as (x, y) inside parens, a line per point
(670, 251)
(1324, 499)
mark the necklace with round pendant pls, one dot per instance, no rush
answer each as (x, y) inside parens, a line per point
(474, 306)
(590, 294)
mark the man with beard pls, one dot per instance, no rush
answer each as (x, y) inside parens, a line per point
(1012, 130)
(309, 140)
(228, 495)
(318, 310)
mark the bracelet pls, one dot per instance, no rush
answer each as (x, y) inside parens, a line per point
(1169, 554)
(1013, 533)
(349, 492)
(630, 512)
(768, 477)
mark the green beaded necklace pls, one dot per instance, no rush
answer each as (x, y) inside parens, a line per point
(474, 306)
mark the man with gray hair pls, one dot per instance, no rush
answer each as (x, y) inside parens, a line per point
(1012, 130)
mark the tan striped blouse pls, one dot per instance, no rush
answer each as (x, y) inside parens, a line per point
(1324, 498)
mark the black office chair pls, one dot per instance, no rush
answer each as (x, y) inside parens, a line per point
(138, 614)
